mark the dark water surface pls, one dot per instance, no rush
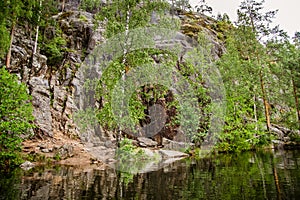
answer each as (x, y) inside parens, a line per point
(251, 175)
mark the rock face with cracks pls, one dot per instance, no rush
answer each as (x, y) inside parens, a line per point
(53, 87)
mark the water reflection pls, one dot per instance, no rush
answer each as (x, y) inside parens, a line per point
(251, 175)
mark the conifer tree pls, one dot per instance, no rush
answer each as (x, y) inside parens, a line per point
(250, 15)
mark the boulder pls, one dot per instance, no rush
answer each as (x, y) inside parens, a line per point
(146, 142)
(27, 165)
(172, 154)
(174, 145)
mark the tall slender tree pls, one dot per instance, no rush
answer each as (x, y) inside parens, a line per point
(251, 15)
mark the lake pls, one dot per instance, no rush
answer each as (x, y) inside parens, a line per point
(249, 175)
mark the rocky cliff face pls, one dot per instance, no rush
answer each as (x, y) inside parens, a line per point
(53, 88)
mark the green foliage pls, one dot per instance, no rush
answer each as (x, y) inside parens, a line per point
(253, 71)
(12, 13)
(132, 159)
(36, 157)
(57, 157)
(126, 177)
(128, 14)
(90, 5)
(243, 128)
(4, 39)
(15, 117)
(128, 152)
(55, 49)
(182, 4)
(86, 119)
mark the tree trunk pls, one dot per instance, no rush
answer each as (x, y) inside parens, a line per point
(296, 99)
(8, 56)
(266, 104)
(255, 111)
(125, 51)
(37, 31)
(276, 182)
(63, 6)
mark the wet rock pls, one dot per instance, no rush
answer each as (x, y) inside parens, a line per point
(171, 160)
(278, 144)
(172, 154)
(150, 153)
(173, 145)
(27, 165)
(146, 142)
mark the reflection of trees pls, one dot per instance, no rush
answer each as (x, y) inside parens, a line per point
(244, 176)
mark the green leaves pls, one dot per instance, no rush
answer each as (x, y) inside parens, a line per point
(15, 116)
(120, 15)
(54, 49)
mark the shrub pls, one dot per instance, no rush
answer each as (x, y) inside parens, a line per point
(15, 117)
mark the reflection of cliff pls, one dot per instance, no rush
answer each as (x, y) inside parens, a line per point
(246, 176)
(71, 183)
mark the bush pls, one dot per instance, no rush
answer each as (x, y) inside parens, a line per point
(15, 117)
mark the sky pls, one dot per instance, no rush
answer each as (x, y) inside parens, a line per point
(288, 16)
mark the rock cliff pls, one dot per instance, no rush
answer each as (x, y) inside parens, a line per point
(53, 86)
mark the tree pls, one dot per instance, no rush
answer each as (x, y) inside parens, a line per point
(13, 12)
(121, 16)
(250, 15)
(287, 56)
(15, 117)
(182, 4)
(243, 127)
(203, 8)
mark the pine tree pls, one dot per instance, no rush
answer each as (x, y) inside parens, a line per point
(250, 15)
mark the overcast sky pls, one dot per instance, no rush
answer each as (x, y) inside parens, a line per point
(288, 16)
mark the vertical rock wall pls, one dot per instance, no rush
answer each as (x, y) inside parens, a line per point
(52, 87)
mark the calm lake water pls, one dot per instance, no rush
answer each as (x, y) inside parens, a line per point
(250, 175)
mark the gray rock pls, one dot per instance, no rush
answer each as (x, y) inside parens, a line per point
(172, 154)
(173, 145)
(277, 142)
(27, 165)
(146, 142)
(141, 144)
(66, 151)
(41, 102)
(149, 152)
(45, 150)
(42, 146)
(110, 160)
